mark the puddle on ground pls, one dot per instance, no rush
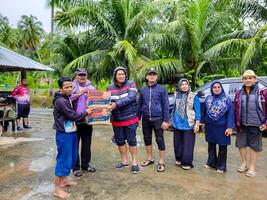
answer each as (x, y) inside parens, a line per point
(12, 140)
(41, 164)
(43, 191)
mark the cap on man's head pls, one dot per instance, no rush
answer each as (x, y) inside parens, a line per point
(151, 70)
(249, 72)
(80, 71)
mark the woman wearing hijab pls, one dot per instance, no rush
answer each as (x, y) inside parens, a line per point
(217, 123)
(186, 117)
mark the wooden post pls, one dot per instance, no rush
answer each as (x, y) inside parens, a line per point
(23, 75)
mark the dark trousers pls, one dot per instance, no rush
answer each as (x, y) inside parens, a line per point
(184, 143)
(147, 127)
(122, 133)
(84, 132)
(217, 161)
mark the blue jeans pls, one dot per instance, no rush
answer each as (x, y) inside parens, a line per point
(67, 148)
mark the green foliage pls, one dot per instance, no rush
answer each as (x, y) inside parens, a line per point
(44, 101)
(31, 31)
(116, 31)
(102, 85)
(198, 39)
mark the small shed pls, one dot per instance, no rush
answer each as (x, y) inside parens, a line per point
(12, 61)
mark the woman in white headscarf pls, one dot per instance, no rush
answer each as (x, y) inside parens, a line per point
(186, 117)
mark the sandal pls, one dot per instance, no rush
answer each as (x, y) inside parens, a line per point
(147, 162)
(251, 174)
(178, 163)
(121, 165)
(161, 167)
(77, 173)
(207, 166)
(220, 171)
(242, 168)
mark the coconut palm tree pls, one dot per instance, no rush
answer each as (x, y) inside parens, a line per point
(116, 30)
(31, 32)
(205, 34)
(8, 35)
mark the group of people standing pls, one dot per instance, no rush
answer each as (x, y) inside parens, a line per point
(151, 112)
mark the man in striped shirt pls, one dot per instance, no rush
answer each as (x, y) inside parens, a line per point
(124, 120)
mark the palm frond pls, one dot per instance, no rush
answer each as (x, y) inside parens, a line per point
(244, 34)
(227, 47)
(247, 8)
(167, 68)
(78, 16)
(163, 39)
(254, 46)
(87, 61)
(123, 47)
(197, 14)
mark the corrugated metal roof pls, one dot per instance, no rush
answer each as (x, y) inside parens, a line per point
(12, 61)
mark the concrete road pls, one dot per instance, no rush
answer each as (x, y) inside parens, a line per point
(27, 171)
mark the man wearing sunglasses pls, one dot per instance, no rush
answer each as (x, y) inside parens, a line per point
(250, 106)
(81, 85)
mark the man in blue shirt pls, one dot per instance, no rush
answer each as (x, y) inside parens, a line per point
(154, 110)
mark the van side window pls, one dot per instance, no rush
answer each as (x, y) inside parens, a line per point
(234, 87)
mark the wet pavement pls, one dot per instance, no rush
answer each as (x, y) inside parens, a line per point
(27, 171)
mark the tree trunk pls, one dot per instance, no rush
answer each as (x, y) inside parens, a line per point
(50, 92)
(194, 80)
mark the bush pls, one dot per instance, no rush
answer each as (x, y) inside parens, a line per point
(38, 101)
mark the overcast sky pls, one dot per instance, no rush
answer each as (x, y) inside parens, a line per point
(14, 9)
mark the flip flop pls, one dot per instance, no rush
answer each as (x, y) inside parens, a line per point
(251, 174)
(147, 162)
(160, 167)
(242, 168)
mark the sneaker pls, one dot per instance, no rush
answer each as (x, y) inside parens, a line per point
(135, 169)
(27, 126)
(19, 128)
(121, 165)
(89, 169)
(77, 173)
